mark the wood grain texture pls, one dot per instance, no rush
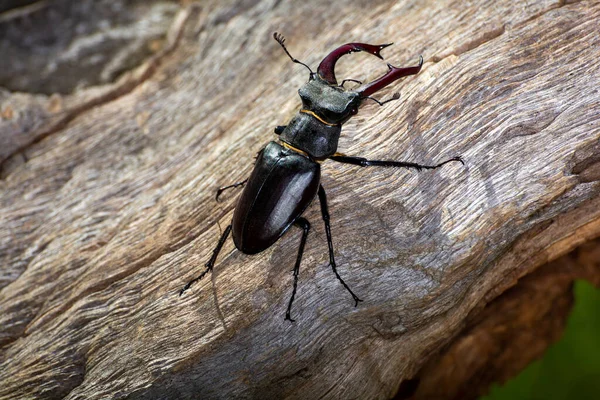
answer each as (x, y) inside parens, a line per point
(110, 210)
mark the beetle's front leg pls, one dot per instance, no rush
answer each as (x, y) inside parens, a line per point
(325, 214)
(363, 162)
(305, 225)
(350, 80)
(396, 96)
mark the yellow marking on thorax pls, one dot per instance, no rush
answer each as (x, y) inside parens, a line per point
(289, 146)
(317, 117)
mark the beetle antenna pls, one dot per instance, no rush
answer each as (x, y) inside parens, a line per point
(280, 39)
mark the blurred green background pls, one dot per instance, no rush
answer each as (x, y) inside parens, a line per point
(570, 369)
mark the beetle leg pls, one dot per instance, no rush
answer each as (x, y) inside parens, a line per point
(325, 214)
(350, 80)
(222, 189)
(209, 265)
(396, 96)
(279, 129)
(363, 162)
(305, 225)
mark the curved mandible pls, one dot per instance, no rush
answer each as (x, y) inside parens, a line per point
(327, 66)
(393, 74)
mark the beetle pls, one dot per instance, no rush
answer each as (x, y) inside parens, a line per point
(287, 172)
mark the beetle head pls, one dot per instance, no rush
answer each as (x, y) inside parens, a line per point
(326, 73)
(332, 103)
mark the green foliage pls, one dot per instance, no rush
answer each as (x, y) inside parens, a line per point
(570, 369)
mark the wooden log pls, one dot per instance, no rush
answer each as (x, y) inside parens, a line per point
(107, 202)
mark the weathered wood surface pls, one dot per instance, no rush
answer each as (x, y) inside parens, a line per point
(107, 208)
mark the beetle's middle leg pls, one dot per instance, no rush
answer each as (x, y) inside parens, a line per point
(305, 225)
(325, 214)
(224, 188)
(210, 264)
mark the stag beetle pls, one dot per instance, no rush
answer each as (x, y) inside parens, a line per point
(286, 175)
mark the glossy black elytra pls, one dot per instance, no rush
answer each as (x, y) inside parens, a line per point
(287, 173)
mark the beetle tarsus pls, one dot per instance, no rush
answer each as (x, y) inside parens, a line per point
(325, 215)
(305, 225)
(288, 318)
(280, 39)
(211, 263)
(199, 277)
(457, 158)
(222, 189)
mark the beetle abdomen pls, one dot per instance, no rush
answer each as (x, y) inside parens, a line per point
(280, 188)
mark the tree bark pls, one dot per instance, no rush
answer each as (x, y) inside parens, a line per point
(108, 209)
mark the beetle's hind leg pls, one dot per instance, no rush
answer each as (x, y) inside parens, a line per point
(210, 264)
(325, 214)
(305, 225)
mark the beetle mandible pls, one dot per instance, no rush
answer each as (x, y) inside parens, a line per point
(286, 175)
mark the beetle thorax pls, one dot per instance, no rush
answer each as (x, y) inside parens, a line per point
(316, 129)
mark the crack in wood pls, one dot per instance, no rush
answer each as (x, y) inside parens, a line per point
(490, 35)
(559, 4)
(485, 37)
